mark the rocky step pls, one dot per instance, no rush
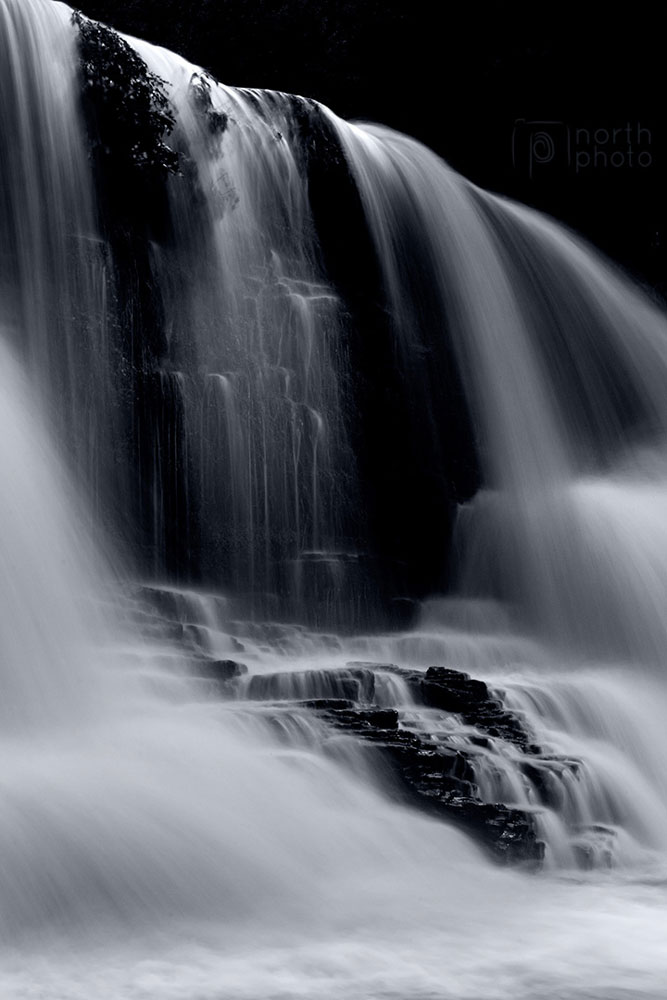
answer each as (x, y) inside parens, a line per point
(222, 671)
(477, 704)
(353, 684)
(458, 693)
(437, 779)
(434, 776)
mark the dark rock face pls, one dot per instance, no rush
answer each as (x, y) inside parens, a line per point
(457, 692)
(406, 425)
(437, 778)
(453, 691)
(222, 671)
(353, 685)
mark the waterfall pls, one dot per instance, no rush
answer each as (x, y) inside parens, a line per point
(267, 379)
(53, 297)
(564, 363)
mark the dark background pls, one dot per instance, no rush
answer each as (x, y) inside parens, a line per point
(460, 77)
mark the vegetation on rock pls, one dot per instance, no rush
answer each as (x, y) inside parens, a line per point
(126, 107)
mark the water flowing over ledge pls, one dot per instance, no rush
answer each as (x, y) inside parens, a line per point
(269, 380)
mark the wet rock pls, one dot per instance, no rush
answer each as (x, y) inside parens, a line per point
(164, 602)
(355, 685)
(456, 692)
(477, 704)
(197, 637)
(596, 847)
(424, 770)
(375, 666)
(326, 704)
(437, 779)
(222, 671)
(432, 771)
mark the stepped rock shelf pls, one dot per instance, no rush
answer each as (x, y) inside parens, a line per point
(434, 739)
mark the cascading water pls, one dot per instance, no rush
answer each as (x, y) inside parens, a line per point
(565, 365)
(52, 283)
(196, 365)
(261, 396)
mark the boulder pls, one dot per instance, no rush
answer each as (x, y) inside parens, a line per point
(222, 671)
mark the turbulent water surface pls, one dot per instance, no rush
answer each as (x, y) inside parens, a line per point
(160, 841)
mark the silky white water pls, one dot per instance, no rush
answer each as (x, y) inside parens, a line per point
(156, 842)
(565, 364)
